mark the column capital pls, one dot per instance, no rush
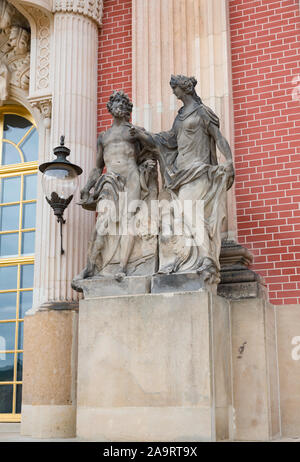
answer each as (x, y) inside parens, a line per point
(44, 105)
(90, 8)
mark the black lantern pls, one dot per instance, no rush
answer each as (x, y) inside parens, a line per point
(59, 182)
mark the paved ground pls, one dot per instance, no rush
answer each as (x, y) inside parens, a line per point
(10, 432)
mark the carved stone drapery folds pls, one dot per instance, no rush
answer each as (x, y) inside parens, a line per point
(14, 50)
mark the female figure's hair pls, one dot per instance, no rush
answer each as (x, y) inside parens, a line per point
(187, 84)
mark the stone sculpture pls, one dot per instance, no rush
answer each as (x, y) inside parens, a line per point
(120, 244)
(190, 172)
(193, 194)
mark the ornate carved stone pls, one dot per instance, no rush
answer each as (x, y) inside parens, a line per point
(14, 50)
(44, 105)
(43, 23)
(9, 15)
(90, 8)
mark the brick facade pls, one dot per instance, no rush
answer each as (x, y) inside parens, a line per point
(114, 56)
(265, 67)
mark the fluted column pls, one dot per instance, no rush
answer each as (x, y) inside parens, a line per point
(189, 37)
(74, 88)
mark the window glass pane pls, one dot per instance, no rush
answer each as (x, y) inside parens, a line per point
(7, 335)
(15, 127)
(8, 277)
(9, 217)
(25, 303)
(30, 187)
(19, 399)
(7, 367)
(19, 367)
(10, 189)
(26, 276)
(8, 302)
(28, 218)
(20, 335)
(6, 396)
(30, 146)
(10, 154)
(28, 242)
(9, 245)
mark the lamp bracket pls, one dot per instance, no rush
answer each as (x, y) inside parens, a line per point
(59, 205)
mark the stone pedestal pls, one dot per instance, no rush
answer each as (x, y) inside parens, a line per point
(254, 370)
(49, 373)
(154, 367)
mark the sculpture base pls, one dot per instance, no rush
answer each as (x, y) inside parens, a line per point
(179, 282)
(106, 286)
(109, 286)
(154, 367)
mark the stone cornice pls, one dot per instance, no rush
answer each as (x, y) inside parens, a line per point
(91, 8)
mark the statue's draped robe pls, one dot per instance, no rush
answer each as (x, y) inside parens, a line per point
(188, 163)
(110, 202)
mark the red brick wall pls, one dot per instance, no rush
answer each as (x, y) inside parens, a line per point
(114, 56)
(265, 56)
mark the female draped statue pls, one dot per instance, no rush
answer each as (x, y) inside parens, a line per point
(190, 173)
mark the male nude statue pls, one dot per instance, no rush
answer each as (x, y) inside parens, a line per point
(117, 150)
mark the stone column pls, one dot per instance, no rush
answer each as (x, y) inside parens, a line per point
(190, 37)
(73, 71)
(74, 115)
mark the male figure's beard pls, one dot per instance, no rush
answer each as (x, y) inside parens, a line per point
(120, 113)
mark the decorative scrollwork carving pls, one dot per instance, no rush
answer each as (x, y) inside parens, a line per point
(43, 64)
(43, 23)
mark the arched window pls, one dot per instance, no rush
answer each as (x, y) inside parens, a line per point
(18, 182)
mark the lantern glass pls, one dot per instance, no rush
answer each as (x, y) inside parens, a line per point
(61, 179)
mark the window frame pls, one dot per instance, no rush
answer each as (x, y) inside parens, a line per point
(7, 171)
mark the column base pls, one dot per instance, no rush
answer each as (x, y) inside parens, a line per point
(143, 424)
(48, 421)
(49, 373)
